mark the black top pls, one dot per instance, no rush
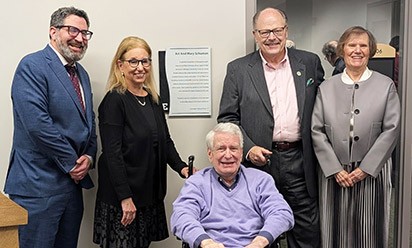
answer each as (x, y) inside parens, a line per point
(147, 110)
(134, 155)
(339, 66)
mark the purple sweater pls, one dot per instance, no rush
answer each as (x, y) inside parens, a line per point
(206, 209)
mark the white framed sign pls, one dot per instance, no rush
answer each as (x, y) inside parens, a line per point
(188, 73)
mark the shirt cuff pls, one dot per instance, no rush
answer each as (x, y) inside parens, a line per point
(267, 235)
(247, 155)
(91, 159)
(200, 239)
(90, 164)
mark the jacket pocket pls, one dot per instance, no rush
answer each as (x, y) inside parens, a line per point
(375, 131)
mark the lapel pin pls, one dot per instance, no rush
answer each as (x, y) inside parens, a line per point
(309, 82)
(298, 73)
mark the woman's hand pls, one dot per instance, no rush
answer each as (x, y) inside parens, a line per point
(129, 211)
(357, 175)
(343, 179)
(185, 171)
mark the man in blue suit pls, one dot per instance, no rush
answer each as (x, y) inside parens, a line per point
(54, 141)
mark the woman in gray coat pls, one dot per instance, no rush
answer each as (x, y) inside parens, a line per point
(355, 126)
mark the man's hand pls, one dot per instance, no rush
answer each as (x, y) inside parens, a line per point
(209, 243)
(258, 155)
(258, 242)
(81, 168)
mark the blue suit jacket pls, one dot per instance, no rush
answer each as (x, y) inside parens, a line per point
(51, 131)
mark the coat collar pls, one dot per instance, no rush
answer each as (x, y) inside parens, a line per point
(61, 74)
(257, 76)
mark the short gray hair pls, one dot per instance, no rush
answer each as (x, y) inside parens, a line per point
(224, 127)
(329, 48)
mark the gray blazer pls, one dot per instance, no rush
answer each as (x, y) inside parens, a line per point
(376, 123)
(246, 102)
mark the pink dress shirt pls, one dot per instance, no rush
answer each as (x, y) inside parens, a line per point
(281, 87)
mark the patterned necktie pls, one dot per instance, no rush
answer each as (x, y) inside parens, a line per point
(76, 84)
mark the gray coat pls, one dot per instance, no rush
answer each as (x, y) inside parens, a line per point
(376, 123)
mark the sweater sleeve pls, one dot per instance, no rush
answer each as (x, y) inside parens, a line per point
(383, 146)
(325, 154)
(276, 212)
(111, 118)
(172, 156)
(187, 210)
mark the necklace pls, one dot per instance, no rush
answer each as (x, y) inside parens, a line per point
(138, 100)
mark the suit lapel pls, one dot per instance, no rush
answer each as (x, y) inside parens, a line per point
(63, 77)
(299, 76)
(257, 77)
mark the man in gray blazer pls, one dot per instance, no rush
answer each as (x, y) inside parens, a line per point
(54, 141)
(270, 94)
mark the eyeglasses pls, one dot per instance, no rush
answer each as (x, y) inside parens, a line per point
(147, 62)
(74, 32)
(264, 33)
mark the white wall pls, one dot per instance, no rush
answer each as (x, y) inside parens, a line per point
(218, 24)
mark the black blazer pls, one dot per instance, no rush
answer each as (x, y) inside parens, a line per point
(245, 101)
(127, 166)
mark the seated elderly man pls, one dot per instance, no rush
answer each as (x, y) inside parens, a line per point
(229, 205)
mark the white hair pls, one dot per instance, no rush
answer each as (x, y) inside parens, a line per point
(224, 127)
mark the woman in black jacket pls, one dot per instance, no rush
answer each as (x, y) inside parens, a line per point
(136, 146)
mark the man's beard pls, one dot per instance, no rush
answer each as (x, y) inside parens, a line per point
(67, 53)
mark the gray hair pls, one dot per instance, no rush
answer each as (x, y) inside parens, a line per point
(58, 16)
(329, 48)
(224, 127)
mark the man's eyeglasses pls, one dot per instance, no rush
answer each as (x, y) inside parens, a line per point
(74, 32)
(264, 33)
(147, 62)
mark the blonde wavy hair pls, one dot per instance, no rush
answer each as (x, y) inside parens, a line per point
(116, 81)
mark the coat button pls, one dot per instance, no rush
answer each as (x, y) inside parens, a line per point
(356, 138)
(356, 111)
(356, 86)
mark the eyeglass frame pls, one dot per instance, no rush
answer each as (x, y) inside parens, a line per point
(86, 34)
(139, 61)
(276, 31)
